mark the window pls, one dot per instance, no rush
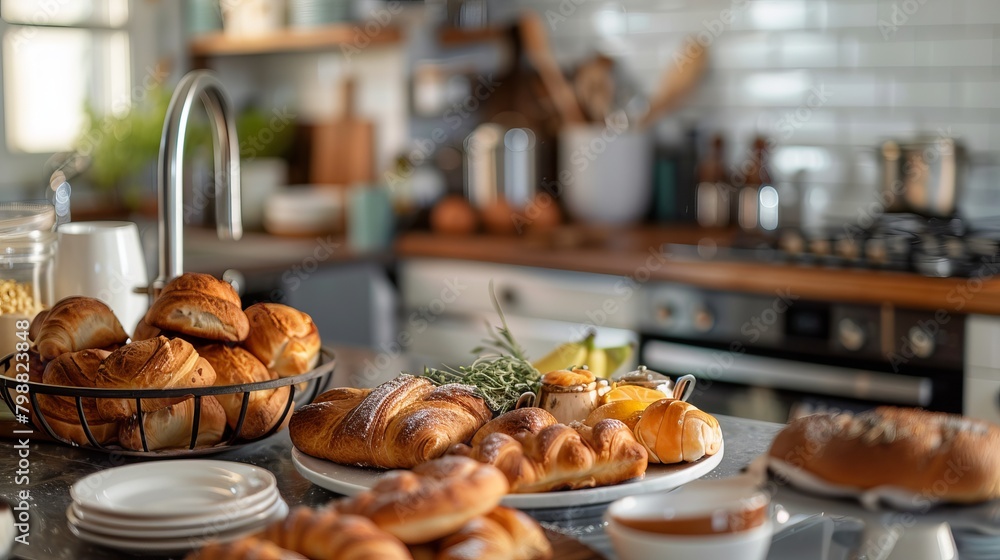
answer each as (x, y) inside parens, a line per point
(60, 56)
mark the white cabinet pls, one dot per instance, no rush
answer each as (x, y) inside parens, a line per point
(982, 368)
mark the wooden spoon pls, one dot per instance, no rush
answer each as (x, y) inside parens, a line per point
(536, 46)
(677, 83)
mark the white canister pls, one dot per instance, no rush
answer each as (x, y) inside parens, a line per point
(605, 173)
(103, 260)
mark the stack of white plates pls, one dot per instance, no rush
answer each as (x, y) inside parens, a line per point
(313, 13)
(173, 506)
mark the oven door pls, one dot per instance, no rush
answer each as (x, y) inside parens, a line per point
(776, 389)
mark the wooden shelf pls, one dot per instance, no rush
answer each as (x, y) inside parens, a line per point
(320, 38)
(457, 36)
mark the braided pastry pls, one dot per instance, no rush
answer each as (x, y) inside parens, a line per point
(560, 457)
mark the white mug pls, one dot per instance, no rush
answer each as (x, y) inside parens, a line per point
(103, 260)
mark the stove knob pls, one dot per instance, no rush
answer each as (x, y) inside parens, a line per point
(703, 319)
(850, 334)
(665, 313)
(921, 342)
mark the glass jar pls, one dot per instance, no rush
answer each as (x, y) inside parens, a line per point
(27, 255)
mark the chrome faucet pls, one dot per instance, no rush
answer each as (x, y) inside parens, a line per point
(170, 170)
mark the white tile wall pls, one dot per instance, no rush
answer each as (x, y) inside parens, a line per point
(895, 68)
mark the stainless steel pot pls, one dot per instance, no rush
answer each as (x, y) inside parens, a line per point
(922, 177)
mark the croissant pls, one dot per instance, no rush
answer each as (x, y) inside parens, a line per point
(77, 323)
(433, 500)
(72, 369)
(674, 431)
(282, 337)
(329, 535)
(399, 424)
(562, 457)
(171, 427)
(199, 305)
(236, 366)
(244, 549)
(157, 363)
(502, 534)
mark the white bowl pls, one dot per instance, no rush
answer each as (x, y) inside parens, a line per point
(630, 544)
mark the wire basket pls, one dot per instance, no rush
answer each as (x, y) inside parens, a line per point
(310, 384)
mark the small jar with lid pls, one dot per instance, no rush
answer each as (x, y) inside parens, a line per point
(27, 255)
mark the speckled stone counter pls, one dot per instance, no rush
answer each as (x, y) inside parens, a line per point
(54, 468)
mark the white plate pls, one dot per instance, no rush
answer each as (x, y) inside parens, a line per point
(172, 488)
(224, 522)
(349, 480)
(177, 545)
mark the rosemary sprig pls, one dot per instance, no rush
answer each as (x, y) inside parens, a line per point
(499, 377)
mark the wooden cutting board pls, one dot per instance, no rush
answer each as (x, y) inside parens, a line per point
(343, 149)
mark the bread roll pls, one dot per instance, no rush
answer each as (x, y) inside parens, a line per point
(72, 369)
(937, 455)
(283, 338)
(329, 535)
(77, 323)
(517, 424)
(675, 431)
(431, 501)
(502, 534)
(236, 366)
(244, 549)
(202, 306)
(399, 424)
(561, 457)
(157, 363)
(170, 427)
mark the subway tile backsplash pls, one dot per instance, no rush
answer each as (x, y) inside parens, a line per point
(890, 68)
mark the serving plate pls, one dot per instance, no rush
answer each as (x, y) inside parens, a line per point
(163, 490)
(350, 480)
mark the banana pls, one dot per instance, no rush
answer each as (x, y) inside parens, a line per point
(566, 355)
(597, 362)
(614, 358)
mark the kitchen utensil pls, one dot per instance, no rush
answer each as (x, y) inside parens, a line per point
(594, 85)
(315, 382)
(536, 45)
(922, 177)
(103, 260)
(342, 151)
(610, 173)
(677, 82)
(350, 480)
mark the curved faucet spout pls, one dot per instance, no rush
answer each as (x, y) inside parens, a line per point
(203, 85)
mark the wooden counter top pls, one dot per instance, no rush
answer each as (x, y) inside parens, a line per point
(635, 253)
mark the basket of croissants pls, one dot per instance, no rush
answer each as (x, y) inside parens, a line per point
(198, 375)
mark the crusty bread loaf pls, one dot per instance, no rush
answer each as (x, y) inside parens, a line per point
(199, 305)
(431, 501)
(675, 431)
(72, 369)
(283, 338)
(236, 366)
(157, 363)
(329, 535)
(940, 456)
(561, 457)
(502, 534)
(399, 424)
(77, 323)
(170, 427)
(517, 423)
(249, 548)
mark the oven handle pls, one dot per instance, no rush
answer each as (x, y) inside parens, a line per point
(720, 365)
